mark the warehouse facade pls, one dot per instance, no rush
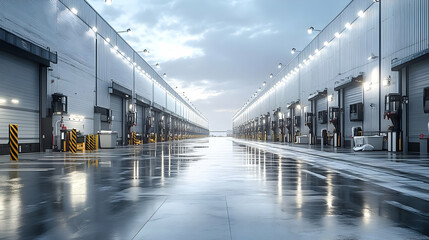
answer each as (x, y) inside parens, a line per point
(64, 67)
(333, 90)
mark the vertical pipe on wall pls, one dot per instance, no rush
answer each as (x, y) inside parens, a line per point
(379, 67)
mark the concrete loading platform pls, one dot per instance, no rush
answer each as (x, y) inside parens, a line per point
(213, 188)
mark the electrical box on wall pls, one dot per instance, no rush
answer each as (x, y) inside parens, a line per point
(322, 117)
(356, 112)
(59, 103)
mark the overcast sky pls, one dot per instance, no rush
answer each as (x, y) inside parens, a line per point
(218, 51)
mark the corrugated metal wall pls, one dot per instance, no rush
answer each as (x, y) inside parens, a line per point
(405, 31)
(50, 23)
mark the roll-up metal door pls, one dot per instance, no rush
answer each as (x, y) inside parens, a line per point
(418, 81)
(321, 104)
(116, 105)
(19, 98)
(139, 127)
(352, 95)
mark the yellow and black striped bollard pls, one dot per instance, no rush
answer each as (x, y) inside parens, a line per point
(73, 141)
(13, 142)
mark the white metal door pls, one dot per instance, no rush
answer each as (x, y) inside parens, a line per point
(117, 111)
(352, 95)
(418, 120)
(19, 98)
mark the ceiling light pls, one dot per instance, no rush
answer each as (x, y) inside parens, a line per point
(164, 75)
(108, 40)
(279, 66)
(15, 101)
(293, 51)
(337, 35)
(271, 75)
(2, 100)
(326, 43)
(157, 65)
(348, 25)
(263, 84)
(94, 29)
(116, 47)
(361, 13)
(317, 51)
(74, 10)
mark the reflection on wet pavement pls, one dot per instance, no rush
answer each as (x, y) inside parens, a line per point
(209, 188)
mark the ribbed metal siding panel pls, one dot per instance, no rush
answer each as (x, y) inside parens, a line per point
(117, 111)
(321, 104)
(20, 81)
(418, 80)
(352, 95)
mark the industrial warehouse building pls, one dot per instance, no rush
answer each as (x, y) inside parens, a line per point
(63, 66)
(332, 91)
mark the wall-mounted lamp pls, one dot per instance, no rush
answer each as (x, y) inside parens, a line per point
(372, 56)
(279, 65)
(310, 30)
(128, 30)
(271, 75)
(330, 98)
(367, 86)
(386, 81)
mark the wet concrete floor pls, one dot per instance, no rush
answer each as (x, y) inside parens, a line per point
(213, 188)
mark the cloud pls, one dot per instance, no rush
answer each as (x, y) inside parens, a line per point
(202, 90)
(255, 31)
(226, 110)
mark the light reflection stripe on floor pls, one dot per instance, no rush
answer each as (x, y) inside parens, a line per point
(26, 169)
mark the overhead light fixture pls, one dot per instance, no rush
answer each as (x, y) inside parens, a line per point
(164, 75)
(125, 31)
(74, 10)
(108, 40)
(116, 47)
(15, 101)
(264, 83)
(2, 101)
(293, 50)
(361, 13)
(279, 66)
(317, 52)
(94, 29)
(310, 30)
(157, 65)
(326, 43)
(271, 75)
(108, 2)
(337, 35)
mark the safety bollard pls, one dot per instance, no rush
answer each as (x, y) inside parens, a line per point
(13, 142)
(73, 141)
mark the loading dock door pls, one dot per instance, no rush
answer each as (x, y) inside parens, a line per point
(140, 123)
(19, 99)
(418, 120)
(352, 95)
(116, 104)
(321, 104)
